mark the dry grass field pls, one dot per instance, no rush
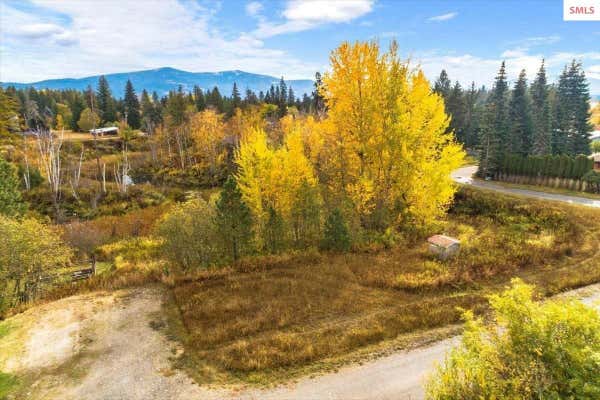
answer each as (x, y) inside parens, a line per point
(269, 318)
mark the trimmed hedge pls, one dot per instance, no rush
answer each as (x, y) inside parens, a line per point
(558, 166)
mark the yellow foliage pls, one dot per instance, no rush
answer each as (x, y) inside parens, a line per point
(595, 119)
(272, 177)
(385, 143)
(208, 132)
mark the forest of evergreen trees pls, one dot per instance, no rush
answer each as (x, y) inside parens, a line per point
(57, 109)
(510, 126)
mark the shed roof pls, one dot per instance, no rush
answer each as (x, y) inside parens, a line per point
(442, 241)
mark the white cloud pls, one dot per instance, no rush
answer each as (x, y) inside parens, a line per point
(538, 41)
(254, 8)
(326, 10)
(467, 68)
(514, 53)
(301, 15)
(36, 31)
(443, 17)
(593, 72)
(108, 37)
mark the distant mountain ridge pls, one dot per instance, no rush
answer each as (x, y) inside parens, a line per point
(162, 80)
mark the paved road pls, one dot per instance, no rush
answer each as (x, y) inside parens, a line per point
(465, 175)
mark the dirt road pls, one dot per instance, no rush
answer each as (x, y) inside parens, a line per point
(465, 176)
(111, 347)
(100, 346)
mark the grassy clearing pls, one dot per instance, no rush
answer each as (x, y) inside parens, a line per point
(273, 318)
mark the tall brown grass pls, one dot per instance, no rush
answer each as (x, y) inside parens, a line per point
(267, 315)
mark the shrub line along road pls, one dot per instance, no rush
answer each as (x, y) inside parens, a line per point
(465, 176)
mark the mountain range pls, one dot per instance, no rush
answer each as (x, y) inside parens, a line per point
(162, 80)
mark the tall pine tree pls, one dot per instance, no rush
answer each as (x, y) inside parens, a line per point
(495, 126)
(236, 99)
(233, 220)
(571, 127)
(442, 84)
(199, 99)
(131, 106)
(541, 117)
(520, 135)
(106, 106)
(456, 107)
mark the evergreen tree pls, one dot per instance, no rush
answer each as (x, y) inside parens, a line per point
(236, 99)
(442, 85)
(199, 100)
(251, 97)
(291, 98)
(571, 127)
(175, 108)
(274, 232)
(581, 111)
(541, 118)
(495, 127)
(318, 100)
(336, 235)
(472, 116)
(77, 105)
(106, 106)
(11, 203)
(131, 106)
(150, 112)
(520, 135)
(233, 220)
(216, 100)
(456, 108)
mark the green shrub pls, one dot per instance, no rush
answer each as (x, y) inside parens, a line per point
(336, 236)
(189, 235)
(533, 350)
(30, 254)
(592, 178)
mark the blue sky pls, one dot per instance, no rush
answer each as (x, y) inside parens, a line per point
(42, 39)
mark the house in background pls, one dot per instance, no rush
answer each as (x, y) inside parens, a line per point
(111, 130)
(595, 136)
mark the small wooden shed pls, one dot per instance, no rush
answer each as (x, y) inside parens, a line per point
(443, 246)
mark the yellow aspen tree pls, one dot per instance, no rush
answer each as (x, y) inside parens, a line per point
(207, 131)
(255, 161)
(385, 137)
(271, 178)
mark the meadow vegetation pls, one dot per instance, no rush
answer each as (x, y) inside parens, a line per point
(267, 318)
